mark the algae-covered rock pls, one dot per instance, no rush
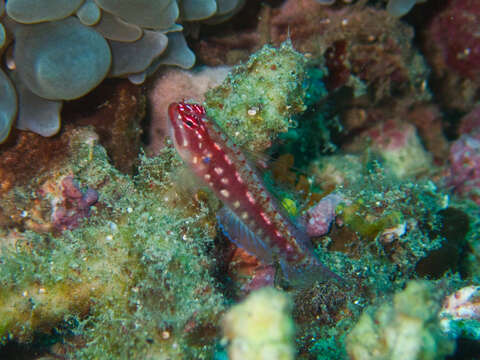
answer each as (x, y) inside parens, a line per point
(131, 281)
(261, 327)
(407, 329)
(259, 99)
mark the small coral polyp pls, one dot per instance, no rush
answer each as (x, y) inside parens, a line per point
(60, 50)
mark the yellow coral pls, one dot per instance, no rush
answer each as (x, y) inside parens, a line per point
(261, 327)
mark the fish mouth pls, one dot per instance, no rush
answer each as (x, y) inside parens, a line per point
(173, 112)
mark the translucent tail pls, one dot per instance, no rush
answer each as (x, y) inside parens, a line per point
(308, 272)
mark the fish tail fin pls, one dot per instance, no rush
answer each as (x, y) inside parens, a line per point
(308, 272)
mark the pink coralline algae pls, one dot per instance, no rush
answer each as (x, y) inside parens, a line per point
(460, 310)
(452, 47)
(463, 304)
(75, 206)
(428, 120)
(464, 173)
(398, 145)
(455, 32)
(470, 123)
(464, 177)
(319, 218)
(263, 276)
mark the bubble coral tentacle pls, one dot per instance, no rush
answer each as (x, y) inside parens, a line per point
(150, 46)
(35, 113)
(61, 60)
(114, 28)
(89, 13)
(35, 11)
(145, 13)
(177, 53)
(191, 12)
(8, 105)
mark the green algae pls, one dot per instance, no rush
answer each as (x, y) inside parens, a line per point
(359, 218)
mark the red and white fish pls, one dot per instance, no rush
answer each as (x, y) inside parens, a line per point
(251, 217)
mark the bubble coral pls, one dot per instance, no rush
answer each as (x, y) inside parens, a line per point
(60, 50)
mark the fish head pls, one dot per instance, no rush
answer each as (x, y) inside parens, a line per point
(187, 128)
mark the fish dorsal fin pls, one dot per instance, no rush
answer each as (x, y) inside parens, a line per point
(239, 233)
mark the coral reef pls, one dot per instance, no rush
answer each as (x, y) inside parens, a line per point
(62, 50)
(364, 45)
(464, 173)
(428, 121)
(115, 109)
(396, 8)
(108, 253)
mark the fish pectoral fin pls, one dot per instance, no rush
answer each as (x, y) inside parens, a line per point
(241, 235)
